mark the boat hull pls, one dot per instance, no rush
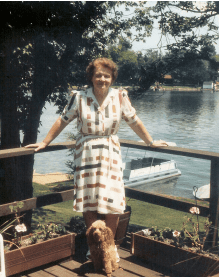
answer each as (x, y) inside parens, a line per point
(148, 170)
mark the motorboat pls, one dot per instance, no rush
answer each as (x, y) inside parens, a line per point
(142, 171)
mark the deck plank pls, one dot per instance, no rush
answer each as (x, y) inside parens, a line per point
(60, 271)
(40, 273)
(129, 266)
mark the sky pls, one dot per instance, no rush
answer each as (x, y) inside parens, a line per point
(155, 42)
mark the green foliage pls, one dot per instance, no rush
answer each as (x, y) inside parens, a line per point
(193, 238)
(7, 225)
(59, 213)
(15, 208)
(181, 18)
(57, 40)
(126, 60)
(47, 231)
(149, 215)
(77, 225)
(195, 235)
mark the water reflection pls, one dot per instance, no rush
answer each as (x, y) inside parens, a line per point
(188, 104)
(161, 187)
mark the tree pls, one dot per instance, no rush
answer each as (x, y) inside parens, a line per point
(126, 60)
(37, 42)
(44, 47)
(194, 73)
(181, 21)
(152, 70)
(40, 45)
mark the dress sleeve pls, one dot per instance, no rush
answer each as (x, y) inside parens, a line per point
(70, 112)
(128, 112)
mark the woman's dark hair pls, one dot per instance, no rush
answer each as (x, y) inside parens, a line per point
(104, 62)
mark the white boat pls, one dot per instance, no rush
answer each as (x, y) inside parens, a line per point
(203, 192)
(142, 171)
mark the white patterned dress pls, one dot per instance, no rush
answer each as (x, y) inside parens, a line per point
(98, 166)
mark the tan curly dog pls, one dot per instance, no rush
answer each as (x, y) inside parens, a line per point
(102, 247)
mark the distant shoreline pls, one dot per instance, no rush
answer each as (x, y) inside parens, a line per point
(182, 89)
(162, 88)
(171, 88)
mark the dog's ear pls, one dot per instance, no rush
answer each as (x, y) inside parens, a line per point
(88, 231)
(108, 234)
(89, 235)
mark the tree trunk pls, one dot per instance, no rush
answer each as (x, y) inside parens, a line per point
(16, 181)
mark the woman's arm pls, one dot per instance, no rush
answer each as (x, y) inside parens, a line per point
(55, 130)
(139, 128)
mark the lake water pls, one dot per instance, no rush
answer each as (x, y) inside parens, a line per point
(190, 119)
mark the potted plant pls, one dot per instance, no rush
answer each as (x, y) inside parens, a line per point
(181, 251)
(50, 243)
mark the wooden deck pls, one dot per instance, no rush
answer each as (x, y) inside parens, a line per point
(129, 266)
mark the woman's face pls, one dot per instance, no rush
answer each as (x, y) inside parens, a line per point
(102, 79)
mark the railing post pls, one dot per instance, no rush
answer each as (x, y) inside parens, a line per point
(214, 202)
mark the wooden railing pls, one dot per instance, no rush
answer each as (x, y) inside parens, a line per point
(162, 200)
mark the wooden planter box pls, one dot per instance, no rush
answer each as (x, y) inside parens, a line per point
(174, 258)
(38, 254)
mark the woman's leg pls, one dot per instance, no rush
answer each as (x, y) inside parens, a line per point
(111, 221)
(89, 218)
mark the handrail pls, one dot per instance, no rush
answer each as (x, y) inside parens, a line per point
(171, 150)
(21, 151)
(37, 202)
(66, 195)
(7, 153)
(148, 197)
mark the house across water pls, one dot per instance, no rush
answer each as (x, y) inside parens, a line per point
(209, 85)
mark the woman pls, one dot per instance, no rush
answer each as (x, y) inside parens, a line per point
(99, 188)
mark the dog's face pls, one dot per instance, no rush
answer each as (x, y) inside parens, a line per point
(98, 231)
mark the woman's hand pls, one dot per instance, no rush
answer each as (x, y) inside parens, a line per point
(38, 146)
(159, 143)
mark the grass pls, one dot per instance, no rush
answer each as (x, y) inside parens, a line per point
(59, 213)
(143, 213)
(149, 215)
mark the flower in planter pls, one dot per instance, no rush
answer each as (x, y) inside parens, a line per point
(194, 210)
(21, 228)
(50, 230)
(176, 233)
(177, 239)
(147, 232)
(189, 236)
